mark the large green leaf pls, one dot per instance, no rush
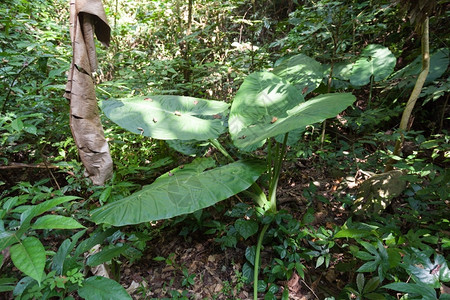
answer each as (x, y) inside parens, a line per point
(407, 76)
(56, 222)
(425, 291)
(375, 60)
(427, 272)
(60, 259)
(181, 191)
(102, 288)
(40, 208)
(29, 257)
(304, 72)
(266, 106)
(168, 117)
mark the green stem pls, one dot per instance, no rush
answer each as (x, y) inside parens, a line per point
(255, 192)
(276, 173)
(222, 150)
(257, 259)
(370, 92)
(277, 158)
(269, 158)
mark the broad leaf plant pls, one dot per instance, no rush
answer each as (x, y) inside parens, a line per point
(267, 107)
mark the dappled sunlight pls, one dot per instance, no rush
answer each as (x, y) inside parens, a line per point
(168, 117)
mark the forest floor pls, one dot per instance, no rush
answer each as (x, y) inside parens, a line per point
(193, 265)
(218, 272)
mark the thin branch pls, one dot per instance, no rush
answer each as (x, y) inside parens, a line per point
(25, 65)
(23, 165)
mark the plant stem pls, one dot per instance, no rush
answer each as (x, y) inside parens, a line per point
(276, 173)
(370, 91)
(277, 158)
(269, 158)
(414, 94)
(256, 193)
(257, 259)
(222, 150)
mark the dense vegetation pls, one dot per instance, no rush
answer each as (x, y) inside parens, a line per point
(323, 220)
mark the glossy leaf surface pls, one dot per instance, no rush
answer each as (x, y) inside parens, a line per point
(407, 76)
(304, 72)
(29, 257)
(375, 60)
(267, 105)
(168, 117)
(181, 191)
(56, 222)
(102, 288)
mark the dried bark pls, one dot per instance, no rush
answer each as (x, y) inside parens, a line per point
(86, 18)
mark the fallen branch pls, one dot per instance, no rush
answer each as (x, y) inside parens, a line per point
(22, 165)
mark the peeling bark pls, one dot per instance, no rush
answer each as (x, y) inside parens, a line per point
(86, 18)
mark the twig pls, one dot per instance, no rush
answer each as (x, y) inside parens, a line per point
(25, 65)
(309, 288)
(51, 173)
(22, 165)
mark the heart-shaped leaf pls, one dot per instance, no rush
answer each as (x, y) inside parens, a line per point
(407, 76)
(304, 72)
(181, 191)
(267, 105)
(375, 60)
(423, 270)
(168, 117)
(246, 228)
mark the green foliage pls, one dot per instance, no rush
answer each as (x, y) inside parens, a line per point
(28, 256)
(183, 190)
(378, 259)
(97, 287)
(65, 274)
(422, 270)
(267, 106)
(302, 71)
(324, 241)
(413, 290)
(375, 64)
(168, 117)
(158, 49)
(439, 60)
(366, 290)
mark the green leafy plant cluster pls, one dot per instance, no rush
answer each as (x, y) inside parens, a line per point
(19, 237)
(258, 58)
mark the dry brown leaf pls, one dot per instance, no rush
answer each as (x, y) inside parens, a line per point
(294, 283)
(86, 18)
